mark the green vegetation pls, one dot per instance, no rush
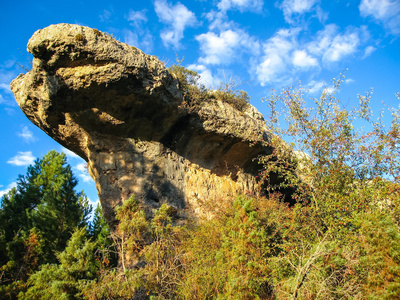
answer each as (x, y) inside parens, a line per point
(340, 240)
(79, 38)
(37, 219)
(97, 32)
(195, 93)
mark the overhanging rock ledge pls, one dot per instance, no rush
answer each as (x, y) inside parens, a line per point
(120, 110)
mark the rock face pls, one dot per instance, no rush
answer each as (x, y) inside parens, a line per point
(120, 110)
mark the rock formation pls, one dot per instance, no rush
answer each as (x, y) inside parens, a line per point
(120, 110)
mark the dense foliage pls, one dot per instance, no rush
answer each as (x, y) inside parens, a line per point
(37, 219)
(339, 240)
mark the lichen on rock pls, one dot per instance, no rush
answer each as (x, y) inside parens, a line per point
(120, 110)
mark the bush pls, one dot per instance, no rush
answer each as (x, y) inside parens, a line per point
(195, 94)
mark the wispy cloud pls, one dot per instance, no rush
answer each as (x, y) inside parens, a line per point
(105, 15)
(177, 17)
(5, 87)
(26, 135)
(140, 37)
(69, 153)
(277, 54)
(225, 46)
(206, 76)
(385, 12)
(6, 76)
(22, 159)
(7, 189)
(368, 51)
(83, 172)
(137, 17)
(333, 46)
(295, 8)
(342, 45)
(142, 40)
(287, 52)
(315, 87)
(241, 5)
(80, 169)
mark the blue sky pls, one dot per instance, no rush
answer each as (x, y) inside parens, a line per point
(263, 44)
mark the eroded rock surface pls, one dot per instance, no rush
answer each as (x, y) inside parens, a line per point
(120, 110)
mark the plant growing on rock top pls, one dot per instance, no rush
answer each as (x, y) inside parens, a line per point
(196, 93)
(97, 32)
(79, 37)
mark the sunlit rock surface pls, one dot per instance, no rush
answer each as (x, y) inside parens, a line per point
(120, 110)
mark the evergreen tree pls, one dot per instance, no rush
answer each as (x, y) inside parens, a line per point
(76, 268)
(38, 217)
(100, 233)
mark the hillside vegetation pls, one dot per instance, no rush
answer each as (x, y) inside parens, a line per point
(340, 240)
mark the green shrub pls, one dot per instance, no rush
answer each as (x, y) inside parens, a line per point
(195, 94)
(97, 32)
(79, 38)
(76, 268)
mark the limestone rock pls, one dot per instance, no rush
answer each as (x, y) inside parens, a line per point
(120, 110)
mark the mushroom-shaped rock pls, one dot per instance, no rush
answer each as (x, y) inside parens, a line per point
(121, 111)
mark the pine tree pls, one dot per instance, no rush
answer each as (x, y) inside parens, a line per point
(76, 268)
(100, 233)
(37, 218)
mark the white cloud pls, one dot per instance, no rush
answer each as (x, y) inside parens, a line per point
(141, 36)
(94, 203)
(22, 159)
(5, 87)
(342, 45)
(178, 17)
(222, 48)
(83, 172)
(284, 54)
(368, 51)
(323, 40)
(26, 135)
(143, 40)
(69, 153)
(85, 177)
(81, 167)
(315, 87)
(6, 76)
(10, 111)
(321, 15)
(303, 60)
(296, 7)
(7, 189)
(206, 77)
(386, 12)
(5, 79)
(105, 16)
(333, 46)
(137, 17)
(241, 5)
(277, 55)
(218, 48)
